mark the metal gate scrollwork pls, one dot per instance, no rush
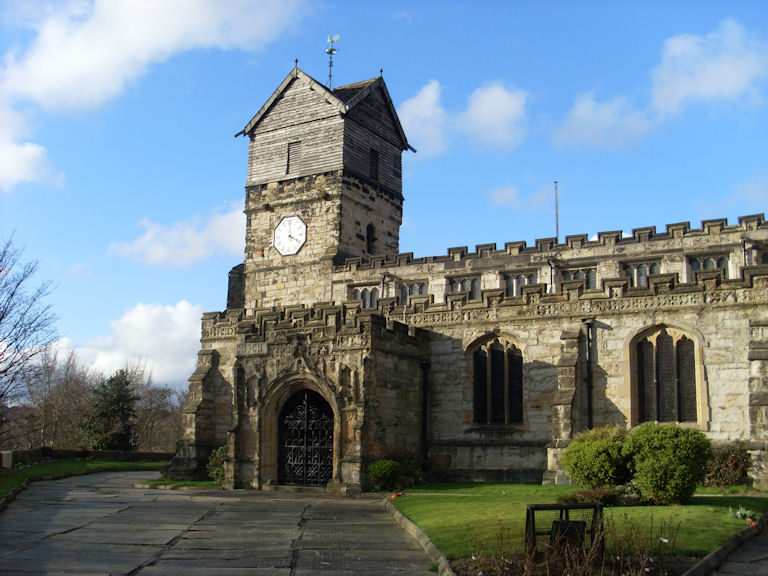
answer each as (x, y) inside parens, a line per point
(306, 440)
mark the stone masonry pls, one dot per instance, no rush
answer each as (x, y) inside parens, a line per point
(475, 365)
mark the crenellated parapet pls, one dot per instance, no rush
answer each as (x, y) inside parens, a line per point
(717, 232)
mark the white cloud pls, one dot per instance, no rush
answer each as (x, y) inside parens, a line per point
(495, 116)
(21, 161)
(24, 162)
(84, 53)
(603, 124)
(185, 243)
(726, 64)
(424, 120)
(84, 56)
(748, 197)
(166, 337)
(510, 196)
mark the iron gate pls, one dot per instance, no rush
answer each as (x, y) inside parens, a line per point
(306, 440)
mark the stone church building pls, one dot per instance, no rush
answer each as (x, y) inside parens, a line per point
(336, 350)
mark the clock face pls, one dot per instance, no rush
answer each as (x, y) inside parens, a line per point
(290, 235)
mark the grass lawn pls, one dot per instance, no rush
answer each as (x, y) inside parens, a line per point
(465, 519)
(10, 479)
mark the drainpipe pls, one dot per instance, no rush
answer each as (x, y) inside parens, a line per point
(588, 323)
(551, 275)
(424, 365)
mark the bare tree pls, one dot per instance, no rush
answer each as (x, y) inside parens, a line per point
(26, 321)
(56, 393)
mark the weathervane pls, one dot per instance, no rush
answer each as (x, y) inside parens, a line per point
(331, 51)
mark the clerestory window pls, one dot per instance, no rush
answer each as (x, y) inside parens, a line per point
(368, 296)
(469, 285)
(589, 275)
(637, 273)
(514, 283)
(709, 263)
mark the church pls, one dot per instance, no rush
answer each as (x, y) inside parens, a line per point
(336, 350)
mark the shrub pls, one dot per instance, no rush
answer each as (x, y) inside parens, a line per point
(667, 461)
(729, 466)
(385, 474)
(604, 495)
(215, 466)
(595, 458)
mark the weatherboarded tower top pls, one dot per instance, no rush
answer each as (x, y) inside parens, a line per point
(324, 184)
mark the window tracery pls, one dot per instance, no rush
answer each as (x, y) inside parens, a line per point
(709, 263)
(637, 273)
(666, 380)
(497, 382)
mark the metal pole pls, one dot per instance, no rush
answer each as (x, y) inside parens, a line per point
(557, 218)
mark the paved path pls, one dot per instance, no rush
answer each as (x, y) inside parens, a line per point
(101, 524)
(750, 559)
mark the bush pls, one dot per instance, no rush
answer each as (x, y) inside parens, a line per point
(667, 461)
(595, 458)
(385, 474)
(215, 466)
(729, 466)
(604, 495)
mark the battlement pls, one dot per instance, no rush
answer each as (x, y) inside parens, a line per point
(716, 230)
(350, 317)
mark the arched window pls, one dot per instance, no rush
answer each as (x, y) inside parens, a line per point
(722, 263)
(764, 258)
(404, 295)
(497, 383)
(665, 373)
(709, 263)
(638, 273)
(356, 294)
(514, 284)
(374, 297)
(366, 295)
(589, 275)
(475, 289)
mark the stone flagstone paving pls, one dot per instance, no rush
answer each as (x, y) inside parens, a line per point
(101, 524)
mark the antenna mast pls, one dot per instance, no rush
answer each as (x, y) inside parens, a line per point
(332, 39)
(557, 218)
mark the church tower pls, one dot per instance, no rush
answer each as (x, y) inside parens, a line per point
(324, 183)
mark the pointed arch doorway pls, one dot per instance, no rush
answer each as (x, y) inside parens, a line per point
(305, 440)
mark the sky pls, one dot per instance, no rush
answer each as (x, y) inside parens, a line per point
(121, 176)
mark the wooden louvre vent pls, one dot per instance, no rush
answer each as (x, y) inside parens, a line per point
(294, 158)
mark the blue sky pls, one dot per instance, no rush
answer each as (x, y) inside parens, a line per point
(120, 174)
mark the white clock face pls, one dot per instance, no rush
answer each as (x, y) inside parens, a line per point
(290, 235)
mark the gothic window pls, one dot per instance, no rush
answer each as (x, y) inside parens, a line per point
(474, 289)
(637, 273)
(709, 263)
(373, 164)
(369, 238)
(293, 164)
(514, 284)
(470, 285)
(589, 275)
(665, 371)
(413, 289)
(497, 384)
(368, 296)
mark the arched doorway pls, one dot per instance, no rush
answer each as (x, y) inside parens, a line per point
(305, 440)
